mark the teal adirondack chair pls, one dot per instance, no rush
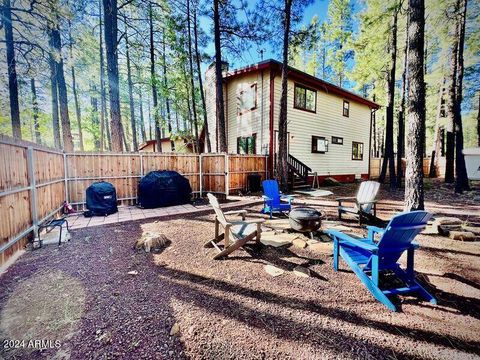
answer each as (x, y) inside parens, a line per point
(367, 258)
(272, 198)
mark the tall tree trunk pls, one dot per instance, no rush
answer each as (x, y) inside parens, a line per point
(130, 92)
(219, 107)
(12, 70)
(374, 130)
(103, 97)
(414, 197)
(95, 120)
(200, 83)
(36, 125)
(165, 84)
(461, 180)
(478, 122)
(78, 112)
(401, 114)
(153, 78)
(389, 153)
(54, 92)
(56, 43)
(436, 134)
(111, 38)
(150, 135)
(282, 157)
(142, 120)
(192, 79)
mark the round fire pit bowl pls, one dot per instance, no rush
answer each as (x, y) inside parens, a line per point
(305, 219)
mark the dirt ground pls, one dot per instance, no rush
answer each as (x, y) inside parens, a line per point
(182, 304)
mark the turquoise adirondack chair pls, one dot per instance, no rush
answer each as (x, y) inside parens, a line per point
(367, 258)
(272, 198)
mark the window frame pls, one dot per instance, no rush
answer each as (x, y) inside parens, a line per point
(254, 137)
(294, 98)
(334, 142)
(346, 110)
(314, 142)
(244, 111)
(357, 143)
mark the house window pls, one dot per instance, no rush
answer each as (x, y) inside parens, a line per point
(319, 144)
(357, 150)
(337, 140)
(346, 108)
(305, 99)
(246, 145)
(247, 99)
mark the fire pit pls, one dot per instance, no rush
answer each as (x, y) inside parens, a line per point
(305, 219)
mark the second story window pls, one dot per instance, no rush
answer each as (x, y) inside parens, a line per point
(247, 99)
(346, 108)
(305, 99)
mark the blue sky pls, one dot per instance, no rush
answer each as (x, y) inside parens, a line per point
(318, 7)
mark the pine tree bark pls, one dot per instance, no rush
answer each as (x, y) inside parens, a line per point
(478, 122)
(414, 191)
(78, 112)
(200, 82)
(103, 96)
(436, 134)
(153, 79)
(36, 125)
(389, 152)
(219, 104)
(165, 84)
(111, 37)
(95, 118)
(461, 180)
(192, 78)
(282, 157)
(12, 70)
(142, 119)
(54, 95)
(56, 44)
(130, 93)
(401, 114)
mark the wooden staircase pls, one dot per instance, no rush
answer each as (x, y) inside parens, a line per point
(297, 174)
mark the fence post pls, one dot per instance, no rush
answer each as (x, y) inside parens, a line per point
(65, 176)
(200, 168)
(141, 165)
(33, 188)
(227, 177)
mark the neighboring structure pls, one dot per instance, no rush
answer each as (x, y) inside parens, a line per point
(179, 145)
(329, 127)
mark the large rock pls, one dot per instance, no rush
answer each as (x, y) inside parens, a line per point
(444, 224)
(276, 240)
(301, 271)
(300, 243)
(472, 229)
(462, 235)
(273, 270)
(325, 248)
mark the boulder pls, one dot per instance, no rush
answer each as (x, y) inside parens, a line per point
(175, 329)
(472, 229)
(325, 248)
(300, 243)
(462, 235)
(276, 240)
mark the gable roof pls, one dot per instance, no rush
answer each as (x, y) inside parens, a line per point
(305, 78)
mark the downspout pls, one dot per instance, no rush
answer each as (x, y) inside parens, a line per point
(261, 120)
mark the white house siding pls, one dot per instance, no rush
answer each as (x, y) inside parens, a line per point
(251, 121)
(328, 121)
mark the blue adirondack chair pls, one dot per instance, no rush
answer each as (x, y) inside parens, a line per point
(272, 198)
(367, 258)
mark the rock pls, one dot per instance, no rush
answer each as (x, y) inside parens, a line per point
(322, 247)
(472, 229)
(445, 229)
(325, 238)
(311, 242)
(273, 270)
(152, 242)
(462, 235)
(444, 220)
(175, 329)
(444, 224)
(300, 243)
(134, 272)
(301, 271)
(277, 240)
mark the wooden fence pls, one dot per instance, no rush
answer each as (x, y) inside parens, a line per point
(35, 181)
(376, 167)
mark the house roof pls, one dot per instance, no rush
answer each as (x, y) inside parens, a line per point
(307, 79)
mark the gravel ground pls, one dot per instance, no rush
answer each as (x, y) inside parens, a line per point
(181, 304)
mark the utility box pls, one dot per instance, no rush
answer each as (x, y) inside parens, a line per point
(472, 162)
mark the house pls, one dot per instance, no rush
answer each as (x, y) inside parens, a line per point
(329, 128)
(179, 145)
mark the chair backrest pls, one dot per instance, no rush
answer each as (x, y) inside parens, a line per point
(218, 210)
(367, 192)
(399, 234)
(270, 189)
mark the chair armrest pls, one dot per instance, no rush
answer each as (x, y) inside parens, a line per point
(235, 212)
(266, 198)
(250, 221)
(345, 198)
(344, 238)
(374, 229)
(289, 198)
